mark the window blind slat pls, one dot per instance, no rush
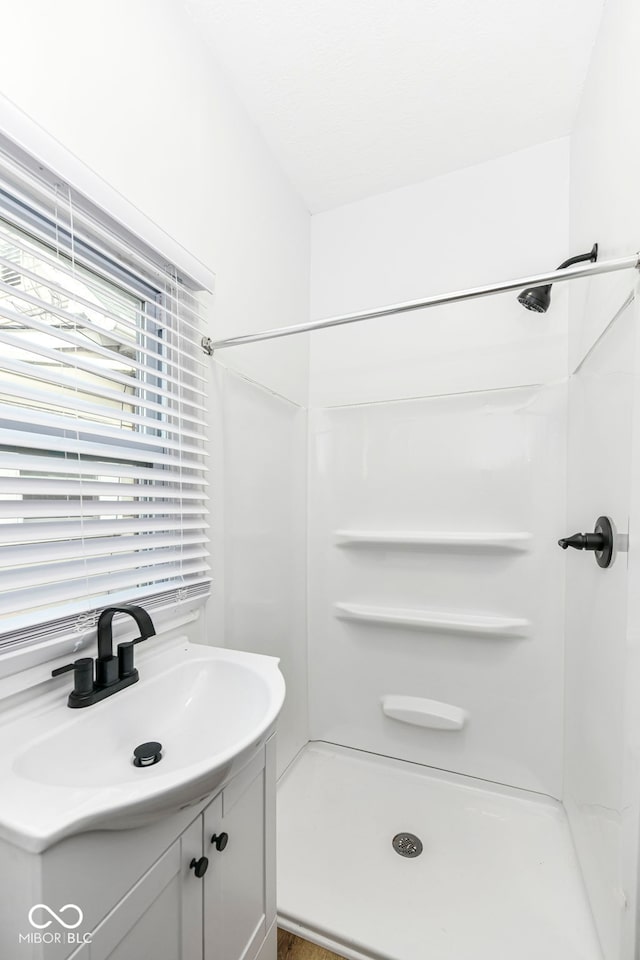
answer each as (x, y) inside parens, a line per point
(185, 349)
(69, 423)
(63, 465)
(68, 444)
(103, 508)
(43, 376)
(100, 372)
(56, 593)
(30, 486)
(76, 321)
(86, 568)
(79, 529)
(95, 350)
(81, 612)
(21, 390)
(179, 303)
(99, 547)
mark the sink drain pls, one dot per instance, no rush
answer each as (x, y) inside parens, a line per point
(146, 754)
(407, 844)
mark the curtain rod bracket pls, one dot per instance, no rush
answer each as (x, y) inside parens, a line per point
(207, 346)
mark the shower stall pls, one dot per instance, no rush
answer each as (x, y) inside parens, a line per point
(458, 751)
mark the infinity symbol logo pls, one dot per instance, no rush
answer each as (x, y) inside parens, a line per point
(56, 916)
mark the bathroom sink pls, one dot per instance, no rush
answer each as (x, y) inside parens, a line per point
(67, 771)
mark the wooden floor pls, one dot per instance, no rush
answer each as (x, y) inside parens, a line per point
(291, 947)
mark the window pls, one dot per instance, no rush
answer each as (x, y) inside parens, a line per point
(102, 407)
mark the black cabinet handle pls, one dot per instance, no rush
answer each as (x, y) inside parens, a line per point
(199, 867)
(220, 841)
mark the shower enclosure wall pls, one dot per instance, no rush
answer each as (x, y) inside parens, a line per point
(447, 454)
(434, 574)
(600, 791)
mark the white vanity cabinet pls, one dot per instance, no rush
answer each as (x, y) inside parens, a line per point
(161, 917)
(139, 893)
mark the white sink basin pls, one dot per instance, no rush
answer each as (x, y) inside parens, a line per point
(66, 771)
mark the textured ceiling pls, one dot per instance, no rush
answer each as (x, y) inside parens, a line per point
(356, 97)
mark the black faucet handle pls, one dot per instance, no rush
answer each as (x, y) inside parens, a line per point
(584, 541)
(82, 676)
(577, 540)
(601, 541)
(125, 659)
(60, 670)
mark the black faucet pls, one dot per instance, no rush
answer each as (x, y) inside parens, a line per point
(113, 673)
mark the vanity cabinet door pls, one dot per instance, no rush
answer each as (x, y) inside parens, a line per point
(161, 917)
(239, 901)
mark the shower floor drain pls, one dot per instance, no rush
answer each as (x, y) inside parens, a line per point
(407, 844)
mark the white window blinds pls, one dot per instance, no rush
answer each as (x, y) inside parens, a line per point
(102, 415)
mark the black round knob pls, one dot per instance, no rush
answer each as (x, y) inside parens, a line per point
(220, 841)
(199, 867)
(147, 754)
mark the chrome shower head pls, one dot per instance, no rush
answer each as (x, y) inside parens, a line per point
(538, 299)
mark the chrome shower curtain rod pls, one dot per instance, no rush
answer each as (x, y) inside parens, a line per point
(473, 293)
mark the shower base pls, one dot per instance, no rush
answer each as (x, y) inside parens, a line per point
(497, 877)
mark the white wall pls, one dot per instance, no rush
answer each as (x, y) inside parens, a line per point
(259, 495)
(605, 158)
(502, 219)
(131, 90)
(602, 779)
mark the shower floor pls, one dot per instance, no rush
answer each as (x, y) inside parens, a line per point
(497, 877)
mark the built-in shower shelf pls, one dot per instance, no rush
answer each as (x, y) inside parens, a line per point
(435, 621)
(420, 712)
(436, 540)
